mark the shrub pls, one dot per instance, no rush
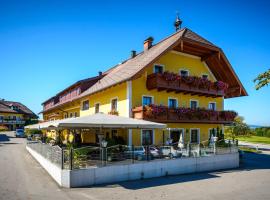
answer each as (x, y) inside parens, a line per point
(31, 132)
(3, 128)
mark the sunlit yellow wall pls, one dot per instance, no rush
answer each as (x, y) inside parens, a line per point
(174, 62)
(6, 115)
(105, 97)
(65, 109)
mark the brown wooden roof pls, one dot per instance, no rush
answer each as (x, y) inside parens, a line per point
(6, 107)
(185, 41)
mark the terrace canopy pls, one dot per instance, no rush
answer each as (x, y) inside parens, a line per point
(98, 120)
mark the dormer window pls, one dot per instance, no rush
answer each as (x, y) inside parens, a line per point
(184, 73)
(158, 69)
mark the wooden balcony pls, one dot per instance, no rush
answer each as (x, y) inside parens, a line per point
(187, 85)
(11, 121)
(164, 114)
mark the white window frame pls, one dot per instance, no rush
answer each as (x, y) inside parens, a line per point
(198, 137)
(98, 108)
(161, 65)
(198, 105)
(174, 99)
(153, 134)
(88, 104)
(182, 69)
(116, 103)
(213, 103)
(148, 96)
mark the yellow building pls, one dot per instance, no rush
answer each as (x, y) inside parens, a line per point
(14, 115)
(181, 81)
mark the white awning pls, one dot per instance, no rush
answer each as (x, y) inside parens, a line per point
(98, 120)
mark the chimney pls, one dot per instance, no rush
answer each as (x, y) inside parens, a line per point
(100, 73)
(147, 44)
(133, 53)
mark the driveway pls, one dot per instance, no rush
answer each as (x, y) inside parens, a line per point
(21, 177)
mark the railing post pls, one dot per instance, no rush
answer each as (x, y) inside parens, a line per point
(170, 151)
(132, 153)
(62, 158)
(71, 158)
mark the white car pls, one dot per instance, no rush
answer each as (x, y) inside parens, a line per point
(169, 151)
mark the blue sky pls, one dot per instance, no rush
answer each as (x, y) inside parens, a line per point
(47, 45)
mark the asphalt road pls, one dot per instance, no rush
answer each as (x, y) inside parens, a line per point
(21, 177)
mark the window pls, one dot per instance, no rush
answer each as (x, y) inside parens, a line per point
(172, 103)
(1, 118)
(114, 133)
(158, 69)
(212, 106)
(184, 73)
(85, 105)
(70, 114)
(14, 117)
(194, 136)
(193, 104)
(114, 105)
(75, 114)
(97, 108)
(65, 115)
(147, 137)
(147, 100)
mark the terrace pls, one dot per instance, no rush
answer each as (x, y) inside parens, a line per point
(103, 163)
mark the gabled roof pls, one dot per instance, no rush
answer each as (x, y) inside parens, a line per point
(128, 69)
(6, 107)
(132, 67)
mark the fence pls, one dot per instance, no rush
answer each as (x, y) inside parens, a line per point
(93, 156)
(52, 153)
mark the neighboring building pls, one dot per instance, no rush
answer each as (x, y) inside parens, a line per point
(181, 81)
(13, 115)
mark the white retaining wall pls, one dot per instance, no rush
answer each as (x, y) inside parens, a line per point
(52, 169)
(155, 168)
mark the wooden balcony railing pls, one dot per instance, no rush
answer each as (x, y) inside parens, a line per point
(183, 115)
(188, 85)
(11, 121)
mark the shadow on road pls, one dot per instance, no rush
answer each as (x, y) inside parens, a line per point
(4, 138)
(254, 161)
(160, 181)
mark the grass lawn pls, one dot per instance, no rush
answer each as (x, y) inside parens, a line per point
(254, 139)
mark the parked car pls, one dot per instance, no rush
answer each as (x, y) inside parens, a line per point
(138, 152)
(170, 151)
(19, 133)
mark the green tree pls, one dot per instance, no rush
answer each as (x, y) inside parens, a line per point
(262, 80)
(239, 127)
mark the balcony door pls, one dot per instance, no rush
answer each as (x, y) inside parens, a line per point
(177, 136)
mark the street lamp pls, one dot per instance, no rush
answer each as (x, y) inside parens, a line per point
(104, 145)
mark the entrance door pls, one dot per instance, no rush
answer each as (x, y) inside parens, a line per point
(175, 136)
